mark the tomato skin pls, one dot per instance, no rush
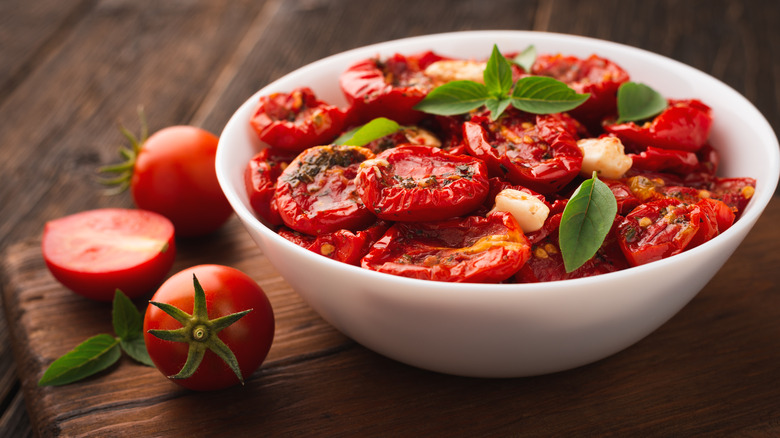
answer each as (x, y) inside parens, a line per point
(421, 183)
(295, 121)
(316, 193)
(387, 88)
(683, 125)
(260, 178)
(174, 175)
(95, 252)
(665, 160)
(538, 152)
(342, 245)
(474, 249)
(227, 290)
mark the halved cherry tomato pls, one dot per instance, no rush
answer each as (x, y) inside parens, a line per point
(734, 192)
(295, 121)
(96, 252)
(538, 152)
(665, 160)
(683, 125)
(626, 200)
(546, 261)
(341, 245)
(474, 249)
(227, 291)
(421, 183)
(595, 75)
(316, 192)
(260, 182)
(388, 88)
(659, 229)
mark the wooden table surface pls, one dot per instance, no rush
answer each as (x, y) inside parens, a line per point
(70, 71)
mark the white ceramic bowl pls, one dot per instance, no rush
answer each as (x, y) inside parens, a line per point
(503, 330)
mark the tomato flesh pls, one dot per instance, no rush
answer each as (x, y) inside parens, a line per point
(95, 252)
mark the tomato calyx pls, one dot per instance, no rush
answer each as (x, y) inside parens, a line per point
(200, 333)
(124, 170)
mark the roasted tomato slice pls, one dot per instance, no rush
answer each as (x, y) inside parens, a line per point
(421, 183)
(546, 261)
(316, 193)
(298, 120)
(260, 178)
(341, 245)
(683, 125)
(665, 160)
(734, 192)
(660, 229)
(595, 75)
(405, 135)
(474, 249)
(538, 152)
(387, 88)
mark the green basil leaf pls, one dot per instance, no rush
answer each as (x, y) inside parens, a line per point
(136, 348)
(498, 74)
(91, 356)
(456, 97)
(373, 130)
(127, 320)
(545, 95)
(526, 58)
(497, 106)
(585, 223)
(637, 101)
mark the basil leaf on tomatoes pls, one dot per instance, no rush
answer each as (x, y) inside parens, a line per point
(637, 101)
(544, 95)
(526, 58)
(373, 130)
(586, 221)
(456, 97)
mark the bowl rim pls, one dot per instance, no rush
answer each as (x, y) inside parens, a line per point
(751, 214)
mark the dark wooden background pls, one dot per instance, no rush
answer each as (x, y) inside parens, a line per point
(70, 71)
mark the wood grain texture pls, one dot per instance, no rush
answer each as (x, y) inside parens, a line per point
(71, 71)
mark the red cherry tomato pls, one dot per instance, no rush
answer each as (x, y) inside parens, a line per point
(295, 121)
(260, 178)
(538, 152)
(174, 175)
(388, 88)
(665, 160)
(595, 75)
(421, 183)
(342, 245)
(95, 252)
(474, 249)
(734, 192)
(227, 291)
(316, 193)
(683, 125)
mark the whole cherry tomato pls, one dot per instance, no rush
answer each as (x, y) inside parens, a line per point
(538, 152)
(595, 75)
(96, 252)
(174, 175)
(474, 249)
(316, 193)
(683, 125)
(260, 178)
(387, 88)
(247, 336)
(294, 121)
(421, 183)
(341, 245)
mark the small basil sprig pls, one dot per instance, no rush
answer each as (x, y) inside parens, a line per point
(534, 94)
(637, 101)
(101, 351)
(373, 130)
(586, 221)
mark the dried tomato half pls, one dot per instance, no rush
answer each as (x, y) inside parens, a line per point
(535, 151)
(316, 193)
(683, 125)
(260, 178)
(387, 88)
(341, 245)
(421, 183)
(474, 249)
(595, 75)
(298, 120)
